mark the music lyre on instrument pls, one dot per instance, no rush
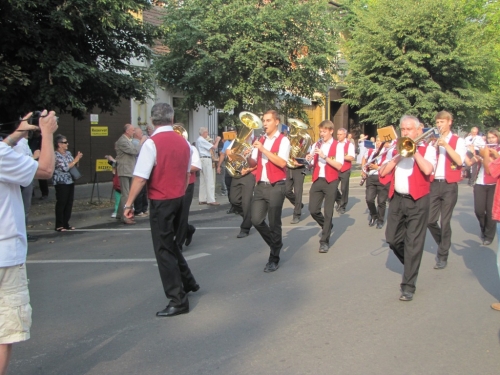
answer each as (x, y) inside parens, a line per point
(300, 141)
(241, 149)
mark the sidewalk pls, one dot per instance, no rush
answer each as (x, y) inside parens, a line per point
(42, 212)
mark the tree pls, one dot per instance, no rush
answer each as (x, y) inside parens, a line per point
(417, 57)
(71, 55)
(248, 54)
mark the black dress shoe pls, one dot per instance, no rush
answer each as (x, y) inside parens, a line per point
(341, 211)
(189, 237)
(173, 310)
(191, 288)
(323, 248)
(372, 222)
(406, 296)
(380, 224)
(485, 242)
(231, 210)
(271, 267)
(242, 235)
(295, 220)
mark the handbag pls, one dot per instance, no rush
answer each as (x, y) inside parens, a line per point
(75, 173)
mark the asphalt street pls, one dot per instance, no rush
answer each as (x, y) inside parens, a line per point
(95, 292)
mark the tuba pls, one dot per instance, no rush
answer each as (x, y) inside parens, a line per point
(407, 147)
(238, 160)
(179, 129)
(300, 141)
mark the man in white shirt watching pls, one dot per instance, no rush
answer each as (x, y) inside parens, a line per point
(206, 193)
(18, 170)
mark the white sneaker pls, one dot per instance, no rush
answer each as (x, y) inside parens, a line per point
(113, 215)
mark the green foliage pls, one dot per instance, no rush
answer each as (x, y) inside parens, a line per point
(71, 55)
(248, 54)
(418, 57)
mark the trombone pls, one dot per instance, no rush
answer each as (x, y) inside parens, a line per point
(407, 147)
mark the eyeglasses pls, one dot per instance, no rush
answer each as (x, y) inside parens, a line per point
(65, 142)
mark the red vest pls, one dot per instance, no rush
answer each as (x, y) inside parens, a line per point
(331, 174)
(452, 172)
(168, 177)
(418, 183)
(347, 164)
(387, 178)
(274, 173)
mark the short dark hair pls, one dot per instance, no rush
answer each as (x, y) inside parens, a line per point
(326, 124)
(57, 139)
(162, 114)
(275, 114)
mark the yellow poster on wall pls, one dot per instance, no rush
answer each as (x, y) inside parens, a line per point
(102, 165)
(98, 131)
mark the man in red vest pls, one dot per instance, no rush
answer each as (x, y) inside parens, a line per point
(345, 171)
(165, 164)
(409, 208)
(327, 158)
(270, 155)
(444, 186)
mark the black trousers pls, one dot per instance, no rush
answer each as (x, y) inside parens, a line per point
(141, 201)
(240, 196)
(343, 192)
(443, 199)
(44, 187)
(405, 234)
(227, 181)
(174, 271)
(375, 189)
(483, 204)
(65, 195)
(294, 187)
(184, 227)
(268, 201)
(322, 190)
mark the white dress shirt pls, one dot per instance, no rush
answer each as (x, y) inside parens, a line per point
(203, 147)
(351, 151)
(325, 147)
(404, 169)
(283, 152)
(460, 149)
(147, 157)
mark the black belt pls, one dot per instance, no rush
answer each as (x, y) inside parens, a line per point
(404, 195)
(439, 180)
(205, 157)
(268, 183)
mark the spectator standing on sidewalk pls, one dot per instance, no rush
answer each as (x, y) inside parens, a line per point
(126, 157)
(141, 202)
(207, 185)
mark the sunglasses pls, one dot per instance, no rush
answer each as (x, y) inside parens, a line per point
(65, 142)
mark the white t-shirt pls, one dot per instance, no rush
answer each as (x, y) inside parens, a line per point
(195, 158)
(147, 157)
(283, 152)
(15, 170)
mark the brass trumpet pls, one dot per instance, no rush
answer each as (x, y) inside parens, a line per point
(407, 147)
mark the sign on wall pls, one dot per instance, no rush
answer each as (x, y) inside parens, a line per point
(98, 131)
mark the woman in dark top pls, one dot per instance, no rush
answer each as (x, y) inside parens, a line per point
(63, 182)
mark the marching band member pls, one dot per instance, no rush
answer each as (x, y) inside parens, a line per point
(376, 187)
(241, 194)
(444, 187)
(327, 158)
(409, 208)
(269, 155)
(484, 190)
(345, 172)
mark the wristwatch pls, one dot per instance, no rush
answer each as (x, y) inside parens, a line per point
(127, 207)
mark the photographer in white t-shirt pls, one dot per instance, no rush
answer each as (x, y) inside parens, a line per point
(18, 170)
